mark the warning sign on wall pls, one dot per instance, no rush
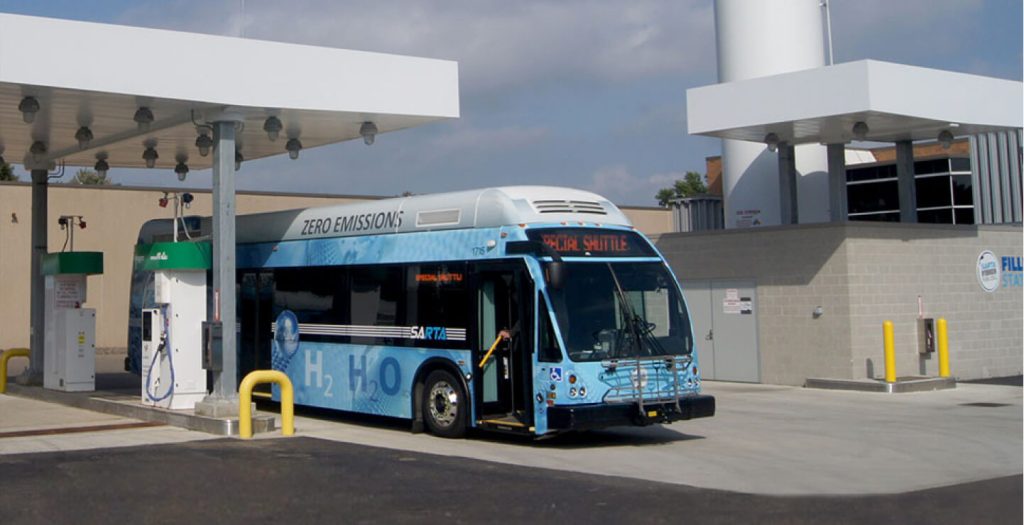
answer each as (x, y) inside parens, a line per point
(68, 292)
(737, 305)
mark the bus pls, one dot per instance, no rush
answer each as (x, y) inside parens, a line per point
(527, 309)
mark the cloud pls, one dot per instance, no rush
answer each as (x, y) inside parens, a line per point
(666, 180)
(478, 139)
(864, 14)
(617, 183)
(497, 43)
(918, 32)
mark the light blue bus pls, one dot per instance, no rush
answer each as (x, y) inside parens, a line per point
(526, 309)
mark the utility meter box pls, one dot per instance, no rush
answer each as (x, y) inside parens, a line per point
(69, 341)
(926, 336)
(172, 336)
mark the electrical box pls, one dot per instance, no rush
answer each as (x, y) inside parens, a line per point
(69, 338)
(926, 336)
(70, 350)
(213, 340)
(172, 340)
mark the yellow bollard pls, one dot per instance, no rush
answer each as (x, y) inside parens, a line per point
(943, 336)
(6, 356)
(890, 352)
(257, 377)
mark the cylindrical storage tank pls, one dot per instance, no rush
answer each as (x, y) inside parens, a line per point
(756, 38)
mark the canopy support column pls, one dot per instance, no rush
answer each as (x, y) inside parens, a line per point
(223, 402)
(837, 200)
(905, 180)
(789, 206)
(33, 375)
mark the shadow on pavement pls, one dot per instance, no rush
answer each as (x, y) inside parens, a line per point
(622, 436)
(1005, 381)
(300, 480)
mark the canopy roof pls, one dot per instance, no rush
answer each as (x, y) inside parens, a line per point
(822, 105)
(99, 75)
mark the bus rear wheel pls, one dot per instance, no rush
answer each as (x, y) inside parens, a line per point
(444, 405)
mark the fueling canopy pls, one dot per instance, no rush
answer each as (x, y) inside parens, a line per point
(894, 102)
(126, 89)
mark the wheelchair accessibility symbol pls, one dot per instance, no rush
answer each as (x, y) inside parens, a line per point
(556, 374)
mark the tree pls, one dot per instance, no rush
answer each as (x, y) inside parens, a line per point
(7, 172)
(87, 176)
(691, 184)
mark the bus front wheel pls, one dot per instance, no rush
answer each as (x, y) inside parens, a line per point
(444, 405)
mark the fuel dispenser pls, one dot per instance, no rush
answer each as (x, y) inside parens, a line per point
(171, 362)
(69, 342)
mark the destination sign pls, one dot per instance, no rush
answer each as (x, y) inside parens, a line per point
(586, 242)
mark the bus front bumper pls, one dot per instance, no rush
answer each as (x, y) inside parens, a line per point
(585, 417)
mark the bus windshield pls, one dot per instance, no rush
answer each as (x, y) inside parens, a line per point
(621, 310)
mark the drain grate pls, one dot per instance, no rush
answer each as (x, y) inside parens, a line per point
(985, 405)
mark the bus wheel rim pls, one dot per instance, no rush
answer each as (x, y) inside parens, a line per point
(444, 403)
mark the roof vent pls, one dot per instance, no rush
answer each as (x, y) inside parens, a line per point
(563, 206)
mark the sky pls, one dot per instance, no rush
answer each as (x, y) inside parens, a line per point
(581, 93)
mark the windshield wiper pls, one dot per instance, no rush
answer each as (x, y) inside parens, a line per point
(639, 328)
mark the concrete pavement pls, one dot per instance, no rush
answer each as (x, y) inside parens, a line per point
(767, 440)
(27, 425)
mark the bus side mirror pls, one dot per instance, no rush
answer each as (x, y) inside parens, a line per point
(555, 271)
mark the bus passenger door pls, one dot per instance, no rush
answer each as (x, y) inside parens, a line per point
(502, 393)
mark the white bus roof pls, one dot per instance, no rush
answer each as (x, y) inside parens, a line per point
(483, 208)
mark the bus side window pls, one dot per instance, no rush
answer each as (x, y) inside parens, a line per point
(549, 352)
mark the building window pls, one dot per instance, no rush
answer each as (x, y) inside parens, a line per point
(943, 189)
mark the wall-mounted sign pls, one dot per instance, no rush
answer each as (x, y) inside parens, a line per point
(988, 271)
(68, 291)
(737, 305)
(748, 218)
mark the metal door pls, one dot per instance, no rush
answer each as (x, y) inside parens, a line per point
(724, 317)
(734, 320)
